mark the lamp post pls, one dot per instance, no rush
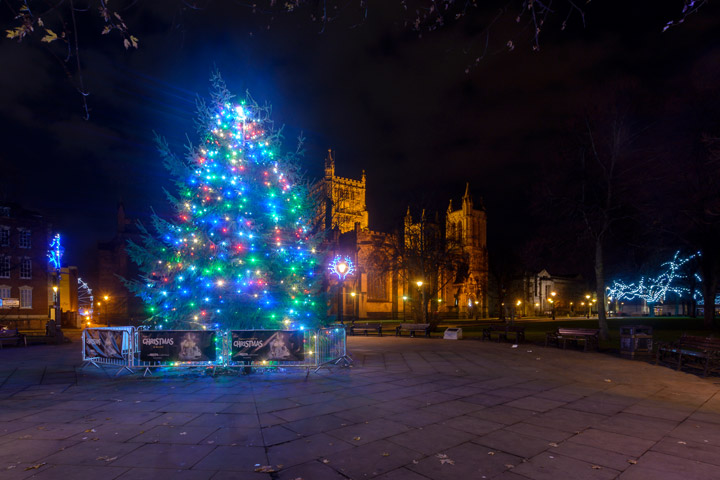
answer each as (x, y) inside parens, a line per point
(589, 305)
(422, 299)
(107, 316)
(552, 301)
(342, 266)
(404, 300)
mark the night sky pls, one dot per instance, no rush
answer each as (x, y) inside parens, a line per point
(419, 114)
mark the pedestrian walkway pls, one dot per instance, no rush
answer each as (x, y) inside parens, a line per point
(409, 409)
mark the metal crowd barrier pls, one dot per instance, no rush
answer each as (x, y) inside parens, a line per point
(103, 346)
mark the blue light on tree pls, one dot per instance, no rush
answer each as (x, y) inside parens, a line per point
(56, 252)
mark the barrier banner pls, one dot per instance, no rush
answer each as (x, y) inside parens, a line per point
(177, 345)
(270, 345)
(103, 343)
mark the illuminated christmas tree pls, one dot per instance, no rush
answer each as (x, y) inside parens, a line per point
(239, 253)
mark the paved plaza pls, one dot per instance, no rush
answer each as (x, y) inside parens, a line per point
(409, 409)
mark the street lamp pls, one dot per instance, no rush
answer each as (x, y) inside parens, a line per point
(404, 300)
(342, 266)
(422, 299)
(552, 301)
(107, 316)
(587, 296)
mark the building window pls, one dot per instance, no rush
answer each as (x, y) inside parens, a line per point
(25, 239)
(26, 268)
(4, 291)
(4, 236)
(376, 286)
(25, 297)
(4, 211)
(4, 266)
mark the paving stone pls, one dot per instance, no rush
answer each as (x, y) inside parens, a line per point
(595, 406)
(310, 470)
(418, 418)
(109, 432)
(702, 452)
(364, 414)
(160, 473)
(234, 436)
(613, 441)
(276, 404)
(372, 459)
(313, 425)
(30, 451)
(504, 414)
(366, 432)
(566, 419)
(546, 433)
(536, 404)
(696, 431)
(637, 426)
(671, 466)
(79, 472)
(200, 407)
(469, 460)
(135, 418)
(485, 399)
(174, 418)
(91, 453)
(677, 414)
(228, 420)
(230, 475)
(454, 407)
(238, 459)
(547, 466)
(179, 434)
(278, 434)
(474, 425)
(432, 439)
(160, 455)
(305, 449)
(50, 416)
(594, 455)
(513, 443)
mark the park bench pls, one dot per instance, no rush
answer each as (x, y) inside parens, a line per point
(503, 331)
(691, 351)
(7, 335)
(365, 327)
(587, 336)
(412, 328)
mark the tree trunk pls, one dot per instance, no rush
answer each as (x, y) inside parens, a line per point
(600, 289)
(708, 269)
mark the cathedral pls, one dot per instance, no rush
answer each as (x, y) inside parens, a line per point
(388, 282)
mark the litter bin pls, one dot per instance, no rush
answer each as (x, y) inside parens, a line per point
(636, 340)
(453, 334)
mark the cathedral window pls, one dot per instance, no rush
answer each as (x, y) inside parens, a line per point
(377, 287)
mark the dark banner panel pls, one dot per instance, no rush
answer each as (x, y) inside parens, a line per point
(270, 345)
(103, 343)
(177, 345)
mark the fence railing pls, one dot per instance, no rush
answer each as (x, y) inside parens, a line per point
(128, 348)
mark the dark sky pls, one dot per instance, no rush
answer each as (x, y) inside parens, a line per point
(400, 106)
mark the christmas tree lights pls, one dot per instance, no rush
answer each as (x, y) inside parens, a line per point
(239, 253)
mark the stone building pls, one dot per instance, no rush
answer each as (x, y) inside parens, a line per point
(25, 282)
(381, 287)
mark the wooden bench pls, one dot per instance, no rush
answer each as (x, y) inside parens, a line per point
(365, 327)
(691, 351)
(587, 336)
(503, 331)
(412, 328)
(12, 335)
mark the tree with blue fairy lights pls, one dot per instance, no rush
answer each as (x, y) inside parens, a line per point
(239, 252)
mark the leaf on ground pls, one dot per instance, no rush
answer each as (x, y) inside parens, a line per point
(25, 436)
(608, 380)
(553, 444)
(325, 460)
(631, 461)
(356, 438)
(681, 442)
(596, 467)
(509, 465)
(183, 433)
(491, 453)
(514, 346)
(265, 469)
(415, 462)
(385, 454)
(35, 467)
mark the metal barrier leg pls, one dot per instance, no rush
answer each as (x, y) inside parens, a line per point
(147, 370)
